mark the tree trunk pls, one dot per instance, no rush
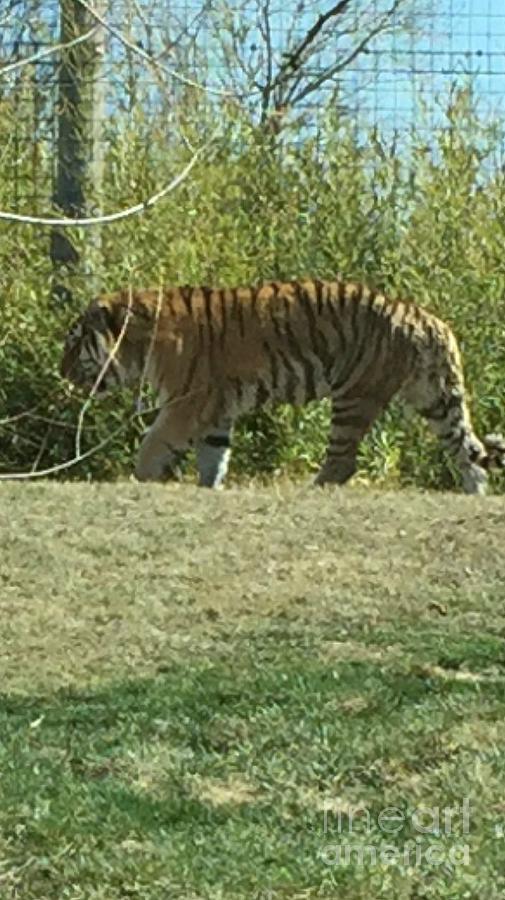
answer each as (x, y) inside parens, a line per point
(79, 158)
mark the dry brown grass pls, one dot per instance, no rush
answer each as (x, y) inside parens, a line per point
(105, 580)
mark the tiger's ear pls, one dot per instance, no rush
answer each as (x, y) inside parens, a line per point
(104, 319)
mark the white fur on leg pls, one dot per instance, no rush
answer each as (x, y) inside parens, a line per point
(212, 464)
(474, 480)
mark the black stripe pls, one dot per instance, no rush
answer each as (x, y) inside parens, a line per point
(437, 412)
(306, 303)
(392, 307)
(325, 353)
(349, 446)
(354, 320)
(277, 326)
(218, 440)
(275, 286)
(318, 288)
(370, 298)
(262, 394)
(110, 321)
(224, 316)
(239, 309)
(169, 300)
(254, 291)
(454, 401)
(308, 368)
(187, 298)
(344, 405)
(274, 368)
(336, 321)
(91, 344)
(357, 294)
(201, 336)
(453, 439)
(191, 374)
(207, 294)
(318, 338)
(292, 379)
(349, 421)
(367, 350)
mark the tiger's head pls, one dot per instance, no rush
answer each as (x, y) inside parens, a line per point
(99, 354)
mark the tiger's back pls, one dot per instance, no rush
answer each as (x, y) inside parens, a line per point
(310, 330)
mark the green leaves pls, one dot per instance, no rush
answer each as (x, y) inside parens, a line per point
(423, 221)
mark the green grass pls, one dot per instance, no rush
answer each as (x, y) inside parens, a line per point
(189, 679)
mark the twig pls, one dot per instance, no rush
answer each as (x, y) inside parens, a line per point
(111, 217)
(42, 447)
(60, 467)
(148, 58)
(265, 31)
(42, 473)
(48, 51)
(152, 339)
(294, 58)
(343, 63)
(22, 415)
(108, 362)
(54, 422)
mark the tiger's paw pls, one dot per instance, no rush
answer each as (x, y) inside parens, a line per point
(495, 449)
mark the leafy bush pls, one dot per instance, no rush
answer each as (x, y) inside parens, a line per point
(427, 223)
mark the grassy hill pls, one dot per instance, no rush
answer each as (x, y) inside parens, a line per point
(214, 695)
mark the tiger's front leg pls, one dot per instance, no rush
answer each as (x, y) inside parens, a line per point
(213, 455)
(179, 428)
(162, 448)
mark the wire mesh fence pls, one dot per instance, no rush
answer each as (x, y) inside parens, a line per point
(394, 64)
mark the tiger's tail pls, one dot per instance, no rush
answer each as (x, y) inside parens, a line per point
(438, 394)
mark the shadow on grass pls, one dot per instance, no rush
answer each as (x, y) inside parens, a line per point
(98, 770)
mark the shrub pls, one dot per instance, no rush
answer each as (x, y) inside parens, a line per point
(427, 223)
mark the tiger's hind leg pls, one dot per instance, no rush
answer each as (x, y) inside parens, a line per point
(351, 419)
(440, 399)
(213, 455)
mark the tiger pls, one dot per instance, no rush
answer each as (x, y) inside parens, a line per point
(212, 354)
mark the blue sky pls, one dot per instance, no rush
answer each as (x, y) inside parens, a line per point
(454, 38)
(459, 37)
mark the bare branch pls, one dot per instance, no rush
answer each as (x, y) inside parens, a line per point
(330, 72)
(68, 464)
(117, 216)
(265, 31)
(48, 51)
(294, 57)
(52, 470)
(328, 45)
(108, 362)
(43, 445)
(159, 67)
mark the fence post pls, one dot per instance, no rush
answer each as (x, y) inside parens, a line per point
(79, 157)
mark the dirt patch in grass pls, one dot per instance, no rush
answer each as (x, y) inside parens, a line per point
(233, 790)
